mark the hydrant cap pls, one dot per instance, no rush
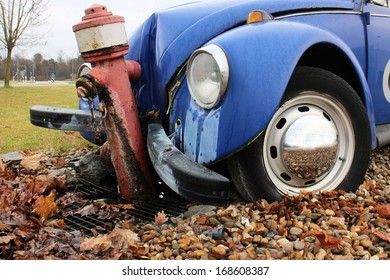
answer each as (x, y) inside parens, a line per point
(95, 11)
(96, 15)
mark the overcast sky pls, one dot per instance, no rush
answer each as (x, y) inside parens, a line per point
(63, 14)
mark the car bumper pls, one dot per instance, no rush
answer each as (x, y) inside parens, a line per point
(63, 118)
(191, 180)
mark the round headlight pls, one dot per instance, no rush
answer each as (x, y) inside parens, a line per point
(208, 75)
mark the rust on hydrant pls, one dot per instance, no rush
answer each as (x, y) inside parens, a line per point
(102, 41)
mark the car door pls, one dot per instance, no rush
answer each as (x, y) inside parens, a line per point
(377, 13)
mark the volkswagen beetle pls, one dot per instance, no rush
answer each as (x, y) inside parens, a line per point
(271, 97)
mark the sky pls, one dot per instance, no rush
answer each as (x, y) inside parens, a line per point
(63, 14)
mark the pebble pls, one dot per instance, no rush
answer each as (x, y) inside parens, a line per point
(366, 243)
(299, 245)
(321, 254)
(296, 231)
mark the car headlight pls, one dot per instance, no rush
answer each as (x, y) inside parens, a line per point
(208, 75)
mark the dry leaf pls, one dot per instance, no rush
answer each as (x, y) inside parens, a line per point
(87, 210)
(6, 239)
(34, 162)
(60, 163)
(97, 244)
(43, 183)
(46, 206)
(160, 218)
(122, 237)
(337, 222)
(2, 166)
(382, 235)
(147, 236)
(327, 242)
(59, 223)
(383, 210)
(4, 227)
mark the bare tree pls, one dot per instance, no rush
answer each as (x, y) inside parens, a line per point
(18, 19)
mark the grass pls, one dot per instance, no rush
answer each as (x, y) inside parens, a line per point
(16, 131)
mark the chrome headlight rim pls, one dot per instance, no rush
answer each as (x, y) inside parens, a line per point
(217, 54)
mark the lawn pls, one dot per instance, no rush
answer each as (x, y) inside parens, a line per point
(16, 131)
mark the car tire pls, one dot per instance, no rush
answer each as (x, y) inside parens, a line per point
(318, 140)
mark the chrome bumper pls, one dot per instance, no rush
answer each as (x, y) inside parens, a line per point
(191, 180)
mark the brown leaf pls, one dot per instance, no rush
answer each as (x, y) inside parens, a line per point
(97, 244)
(122, 237)
(383, 210)
(4, 227)
(60, 163)
(118, 239)
(59, 223)
(2, 166)
(160, 218)
(46, 206)
(34, 162)
(87, 210)
(44, 183)
(326, 241)
(6, 239)
(149, 236)
(383, 235)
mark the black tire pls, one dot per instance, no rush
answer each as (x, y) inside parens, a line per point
(284, 161)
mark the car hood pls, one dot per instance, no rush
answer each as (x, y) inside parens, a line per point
(168, 37)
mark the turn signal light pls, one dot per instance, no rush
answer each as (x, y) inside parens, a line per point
(258, 16)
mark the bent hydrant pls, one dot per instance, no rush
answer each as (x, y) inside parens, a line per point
(102, 41)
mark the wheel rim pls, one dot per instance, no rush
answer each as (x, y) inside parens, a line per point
(309, 144)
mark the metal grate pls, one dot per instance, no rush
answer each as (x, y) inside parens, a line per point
(172, 204)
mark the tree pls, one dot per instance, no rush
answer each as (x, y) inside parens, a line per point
(18, 19)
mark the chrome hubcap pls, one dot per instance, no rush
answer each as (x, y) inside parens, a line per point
(309, 144)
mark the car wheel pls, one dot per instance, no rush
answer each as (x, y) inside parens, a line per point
(317, 140)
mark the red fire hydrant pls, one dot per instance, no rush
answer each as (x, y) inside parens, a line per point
(102, 41)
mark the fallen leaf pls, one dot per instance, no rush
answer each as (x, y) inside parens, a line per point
(46, 206)
(326, 241)
(383, 235)
(87, 210)
(160, 218)
(43, 183)
(337, 222)
(6, 239)
(122, 237)
(383, 210)
(147, 236)
(34, 162)
(4, 227)
(97, 244)
(60, 163)
(59, 223)
(2, 166)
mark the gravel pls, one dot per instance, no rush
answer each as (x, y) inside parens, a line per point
(333, 225)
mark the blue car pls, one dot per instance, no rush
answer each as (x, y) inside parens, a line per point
(271, 97)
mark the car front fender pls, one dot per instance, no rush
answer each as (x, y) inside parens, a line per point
(262, 58)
